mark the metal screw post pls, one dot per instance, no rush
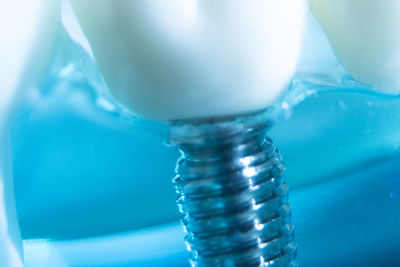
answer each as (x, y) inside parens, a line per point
(233, 200)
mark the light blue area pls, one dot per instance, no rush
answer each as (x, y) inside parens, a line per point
(85, 168)
(350, 221)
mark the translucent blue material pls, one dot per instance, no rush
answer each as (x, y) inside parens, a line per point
(86, 168)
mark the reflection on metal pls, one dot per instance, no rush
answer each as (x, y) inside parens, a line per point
(233, 200)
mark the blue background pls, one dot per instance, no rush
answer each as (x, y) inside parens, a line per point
(93, 183)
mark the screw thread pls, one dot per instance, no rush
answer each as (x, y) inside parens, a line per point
(231, 195)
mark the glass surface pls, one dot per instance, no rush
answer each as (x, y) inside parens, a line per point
(86, 168)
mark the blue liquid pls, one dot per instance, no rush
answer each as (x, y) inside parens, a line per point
(84, 167)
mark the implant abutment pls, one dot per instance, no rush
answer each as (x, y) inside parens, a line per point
(231, 195)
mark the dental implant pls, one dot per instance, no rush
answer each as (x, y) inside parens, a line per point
(177, 61)
(232, 197)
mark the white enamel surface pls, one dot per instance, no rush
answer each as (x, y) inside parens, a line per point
(176, 59)
(27, 34)
(365, 37)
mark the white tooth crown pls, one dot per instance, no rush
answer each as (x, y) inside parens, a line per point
(180, 59)
(28, 30)
(365, 37)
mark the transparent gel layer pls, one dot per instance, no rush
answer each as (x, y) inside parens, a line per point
(91, 178)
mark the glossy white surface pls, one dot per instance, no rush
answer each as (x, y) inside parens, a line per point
(364, 35)
(28, 33)
(177, 59)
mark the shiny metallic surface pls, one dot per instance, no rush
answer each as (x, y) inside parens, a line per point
(231, 194)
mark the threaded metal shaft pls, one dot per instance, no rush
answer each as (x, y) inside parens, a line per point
(233, 200)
